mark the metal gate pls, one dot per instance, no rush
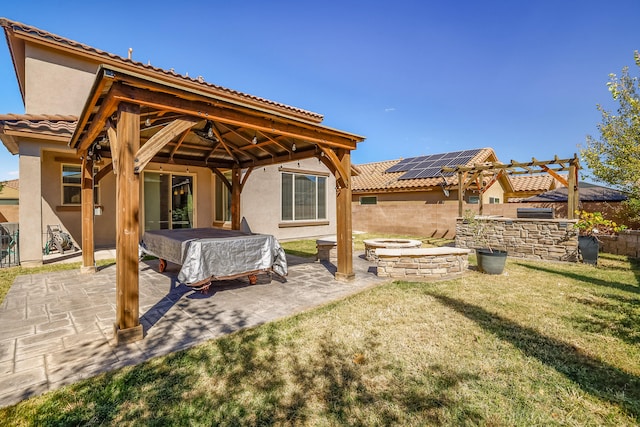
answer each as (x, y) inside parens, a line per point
(9, 246)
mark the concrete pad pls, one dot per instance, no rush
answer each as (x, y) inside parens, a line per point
(57, 328)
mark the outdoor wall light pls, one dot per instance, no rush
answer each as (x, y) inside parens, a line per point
(147, 122)
(254, 140)
(293, 147)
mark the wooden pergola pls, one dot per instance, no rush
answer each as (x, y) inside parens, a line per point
(136, 119)
(486, 174)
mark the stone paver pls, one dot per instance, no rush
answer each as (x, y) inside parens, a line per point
(57, 328)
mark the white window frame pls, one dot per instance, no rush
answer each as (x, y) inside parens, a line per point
(63, 185)
(318, 177)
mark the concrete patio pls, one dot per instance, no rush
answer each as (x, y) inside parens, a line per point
(57, 328)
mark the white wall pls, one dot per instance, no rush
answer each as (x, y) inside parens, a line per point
(261, 201)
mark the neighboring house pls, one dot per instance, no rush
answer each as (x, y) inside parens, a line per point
(412, 196)
(9, 195)
(588, 193)
(531, 185)
(593, 198)
(295, 199)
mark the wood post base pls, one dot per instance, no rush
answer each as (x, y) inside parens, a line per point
(129, 335)
(345, 277)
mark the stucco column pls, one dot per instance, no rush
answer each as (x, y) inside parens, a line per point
(30, 199)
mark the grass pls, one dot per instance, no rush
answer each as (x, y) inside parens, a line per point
(307, 248)
(543, 344)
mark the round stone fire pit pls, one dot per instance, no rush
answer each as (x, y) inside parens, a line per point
(371, 245)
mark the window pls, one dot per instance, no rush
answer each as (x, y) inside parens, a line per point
(304, 197)
(474, 200)
(369, 200)
(72, 185)
(494, 200)
(222, 200)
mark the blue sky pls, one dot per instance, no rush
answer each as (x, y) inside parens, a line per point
(414, 77)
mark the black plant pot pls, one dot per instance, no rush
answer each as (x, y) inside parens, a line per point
(589, 247)
(491, 261)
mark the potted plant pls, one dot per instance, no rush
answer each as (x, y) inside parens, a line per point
(490, 260)
(590, 225)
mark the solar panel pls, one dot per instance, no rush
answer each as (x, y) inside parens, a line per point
(430, 166)
(428, 173)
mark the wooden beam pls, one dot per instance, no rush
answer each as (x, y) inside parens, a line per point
(113, 145)
(343, 221)
(573, 194)
(555, 175)
(462, 176)
(103, 172)
(178, 144)
(99, 120)
(344, 175)
(226, 114)
(127, 327)
(160, 139)
(88, 246)
(245, 178)
(221, 141)
(236, 189)
(223, 178)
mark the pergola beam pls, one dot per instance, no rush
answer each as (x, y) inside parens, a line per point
(572, 165)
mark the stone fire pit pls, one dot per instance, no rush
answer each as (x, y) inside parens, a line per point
(371, 245)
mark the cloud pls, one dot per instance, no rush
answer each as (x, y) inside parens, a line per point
(389, 109)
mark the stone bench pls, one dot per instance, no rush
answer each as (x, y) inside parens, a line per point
(371, 245)
(422, 263)
(326, 250)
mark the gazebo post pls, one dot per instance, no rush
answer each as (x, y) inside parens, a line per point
(343, 219)
(127, 327)
(460, 193)
(88, 245)
(235, 197)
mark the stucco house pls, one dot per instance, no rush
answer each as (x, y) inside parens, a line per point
(9, 198)
(287, 161)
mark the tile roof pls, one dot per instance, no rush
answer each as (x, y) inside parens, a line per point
(587, 193)
(13, 183)
(374, 178)
(17, 27)
(42, 123)
(542, 182)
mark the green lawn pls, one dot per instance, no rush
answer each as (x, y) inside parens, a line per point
(543, 344)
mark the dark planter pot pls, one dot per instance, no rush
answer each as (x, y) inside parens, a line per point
(589, 247)
(491, 261)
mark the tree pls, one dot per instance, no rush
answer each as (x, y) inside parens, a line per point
(615, 157)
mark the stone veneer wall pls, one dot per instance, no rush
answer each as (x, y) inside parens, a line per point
(626, 243)
(545, 239)
(422, 263)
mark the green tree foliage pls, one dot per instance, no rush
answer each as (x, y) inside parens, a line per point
(614, 158)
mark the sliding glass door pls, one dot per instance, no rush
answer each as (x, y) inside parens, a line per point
(168, 201)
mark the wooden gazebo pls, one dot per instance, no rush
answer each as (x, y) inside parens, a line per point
(136, 119)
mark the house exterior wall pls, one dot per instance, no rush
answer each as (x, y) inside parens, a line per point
(56, 83)
(69, 217)
(262, 200)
